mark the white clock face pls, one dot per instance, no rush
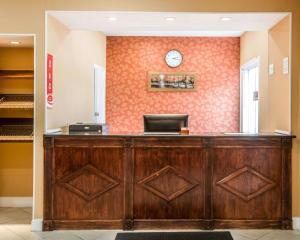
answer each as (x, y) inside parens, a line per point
(173, 58)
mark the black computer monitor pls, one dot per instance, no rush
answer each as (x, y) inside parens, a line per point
(165, 122)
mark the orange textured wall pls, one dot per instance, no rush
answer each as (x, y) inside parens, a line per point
(213, 107)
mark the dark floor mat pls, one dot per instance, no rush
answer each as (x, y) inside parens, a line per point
(174, 236)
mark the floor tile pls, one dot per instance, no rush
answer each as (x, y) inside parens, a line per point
(238, 237)
(6, 234)
(28, 210)
(253, 233)
(16, 214)
(22, 230)
(4, 219)
(26, 221)
(282, 235)
(96, 235)
(58, 235)
(7, 209)
(15, 225)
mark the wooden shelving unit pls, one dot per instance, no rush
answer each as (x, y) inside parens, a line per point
(16, 129)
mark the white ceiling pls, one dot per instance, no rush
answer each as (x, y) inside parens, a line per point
(25, 41)
(154, 23)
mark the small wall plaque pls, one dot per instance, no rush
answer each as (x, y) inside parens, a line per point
(159, 81)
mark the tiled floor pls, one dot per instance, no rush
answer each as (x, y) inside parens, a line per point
(15, 225)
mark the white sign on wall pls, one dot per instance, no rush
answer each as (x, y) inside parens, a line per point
(271, 69)
(285, 66)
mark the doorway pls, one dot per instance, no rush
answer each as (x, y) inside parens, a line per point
(99, 94)
(249, 96)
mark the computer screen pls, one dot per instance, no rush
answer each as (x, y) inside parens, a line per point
(165, 122)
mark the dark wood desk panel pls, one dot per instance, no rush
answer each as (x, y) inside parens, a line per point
(169, 181)
(247, 182)
(142, 182)
(87, 183)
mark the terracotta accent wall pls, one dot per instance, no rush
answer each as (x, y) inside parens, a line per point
(213, 107)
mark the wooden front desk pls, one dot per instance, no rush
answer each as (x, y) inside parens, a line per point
(167, 182)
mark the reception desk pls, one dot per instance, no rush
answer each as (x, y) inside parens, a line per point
(133, 181)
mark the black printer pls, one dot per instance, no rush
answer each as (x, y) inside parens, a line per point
(87, 127)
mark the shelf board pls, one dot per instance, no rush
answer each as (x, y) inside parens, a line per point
(16, 129)
(16, 74)
(16, 105)
(16, 101)
(16, 138)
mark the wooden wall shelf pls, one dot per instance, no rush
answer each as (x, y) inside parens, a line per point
(16, 74)
(16, 101)
(16, 105)
(16, 129)
(16, 138)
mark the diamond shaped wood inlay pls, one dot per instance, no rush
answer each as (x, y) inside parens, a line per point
(246, 183)
(88, 182)
(168, 183)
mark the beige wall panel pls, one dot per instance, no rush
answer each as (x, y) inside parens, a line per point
(279, 83)
(19, 16)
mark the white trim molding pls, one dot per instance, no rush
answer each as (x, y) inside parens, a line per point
(296, 223)
(37, 225)
(15, 201)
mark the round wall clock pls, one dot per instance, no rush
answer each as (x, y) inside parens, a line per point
(173, 58)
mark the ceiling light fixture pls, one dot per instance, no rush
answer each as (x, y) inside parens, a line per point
(112, 19)
(170, 19)
(225, 19)
(15, 42)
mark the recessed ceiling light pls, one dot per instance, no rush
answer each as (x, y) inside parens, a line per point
(170, 19)
(112, 19)
(225, 19)
(15, 42)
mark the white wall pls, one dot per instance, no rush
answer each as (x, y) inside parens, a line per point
(74, 55)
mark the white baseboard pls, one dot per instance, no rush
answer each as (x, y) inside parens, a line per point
(296, 223)
(37, 225)
(15, 201)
